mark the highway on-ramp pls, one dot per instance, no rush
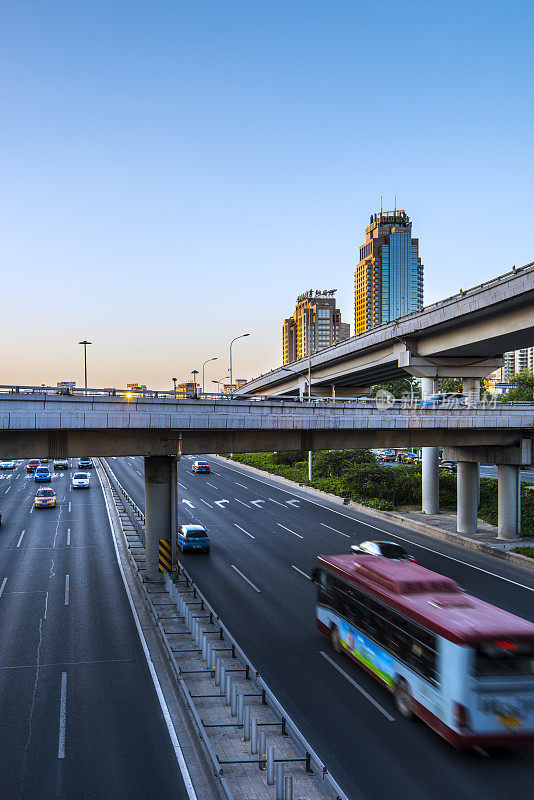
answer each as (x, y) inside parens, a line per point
(265, 539)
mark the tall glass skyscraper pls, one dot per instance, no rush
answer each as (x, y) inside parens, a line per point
(388, 280)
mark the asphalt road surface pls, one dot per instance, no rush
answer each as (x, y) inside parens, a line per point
(264, 544)
(79, 715)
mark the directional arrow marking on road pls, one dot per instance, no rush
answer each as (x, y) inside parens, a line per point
(293, 502)
(257, 503)
(220, 503)
(188, 503)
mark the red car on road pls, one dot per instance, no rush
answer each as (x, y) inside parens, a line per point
(32, 465)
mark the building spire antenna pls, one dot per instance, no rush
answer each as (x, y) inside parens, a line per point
(395, 212)
(380, 205)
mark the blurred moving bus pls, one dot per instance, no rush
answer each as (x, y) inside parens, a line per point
(463, 666)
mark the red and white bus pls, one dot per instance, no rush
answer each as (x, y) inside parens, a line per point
(462, 665)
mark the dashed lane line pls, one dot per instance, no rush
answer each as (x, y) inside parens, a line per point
(358, 687)
(289, 530)
(212, 485)
(21, 538)
(301, 572)
(241, 502)
(334, 529)
(62, 716)
(68, 535)
(67, 589)
(205, 503)
(244, 531)
(245, 578)
(3, 586)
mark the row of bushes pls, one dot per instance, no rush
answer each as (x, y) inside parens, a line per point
(357, 474)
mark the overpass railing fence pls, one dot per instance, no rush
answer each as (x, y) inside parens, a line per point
(133, 397)
(194, 596)
(135, 515)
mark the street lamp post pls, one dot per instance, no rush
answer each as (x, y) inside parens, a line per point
(203, 365)
(219, 383)
(85, 343)
(194, 373)
(174, 382)
(231, 378)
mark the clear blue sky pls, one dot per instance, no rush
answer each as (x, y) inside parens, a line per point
(176, 173)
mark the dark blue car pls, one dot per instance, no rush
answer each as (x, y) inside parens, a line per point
(42, 474)
(193, 538)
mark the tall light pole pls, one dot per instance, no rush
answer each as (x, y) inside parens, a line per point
(242, 336)
(194, 373)
(219, 383)
(174, 382)
(85, 343)
(203, 365)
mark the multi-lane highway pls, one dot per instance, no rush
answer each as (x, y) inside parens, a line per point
(79, 714)
(265, 539)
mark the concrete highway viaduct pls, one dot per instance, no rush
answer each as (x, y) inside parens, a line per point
(42, 425)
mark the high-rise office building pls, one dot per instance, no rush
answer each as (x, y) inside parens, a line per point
(315, 311)
(518, 361)
(388, 280)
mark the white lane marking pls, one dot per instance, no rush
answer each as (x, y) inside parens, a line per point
(3, 586)
(138, 472)
(295, 503)
(334, 529)
(188, 503)
(220, 503)
(244, 531)
(68, 535)
(245, 578)
(243, 486)
(181, 484)
(388, 533)
(257, 503)
(62, 716)
(277, 503)
(358, 687)
(205, 503)
(289, 530)
(7, 490)
(241, 502)
(70, 505)
(212, 485)
(21, 537)
(67, 589)
(31, 509)
(301, 572)
(191, 793)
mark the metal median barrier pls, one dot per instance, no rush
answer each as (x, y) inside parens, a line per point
(244, 728)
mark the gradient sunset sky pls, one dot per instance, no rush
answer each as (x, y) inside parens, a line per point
(175, 174)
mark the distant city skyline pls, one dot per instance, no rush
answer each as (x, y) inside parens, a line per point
(164, 171)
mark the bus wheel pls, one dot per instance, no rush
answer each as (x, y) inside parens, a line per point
(403, 699)
(335, 640)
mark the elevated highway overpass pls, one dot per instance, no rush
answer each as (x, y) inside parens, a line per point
(464, 336)
(41, 425)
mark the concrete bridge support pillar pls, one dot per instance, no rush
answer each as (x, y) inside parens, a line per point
(430, 477)
(471, 386)
(160, 488)
(467, 504)
(509, 500)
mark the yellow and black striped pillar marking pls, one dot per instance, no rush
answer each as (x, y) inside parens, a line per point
(165, 555)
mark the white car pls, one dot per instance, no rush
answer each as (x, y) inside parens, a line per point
(392, 550)
(80, 480)
(200, 466)
(7, 465)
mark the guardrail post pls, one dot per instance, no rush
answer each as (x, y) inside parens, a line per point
(246, 724)
(211, 660)
(270, 765)
(208, 654)
(254, 736)
(222, 682)
(262, 755)
(288, 787)
(280, 782)
(218, 672)
(240, 708)
(204, 647)
(228, 689)
(233, 700)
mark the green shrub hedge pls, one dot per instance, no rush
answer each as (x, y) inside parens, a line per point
(357, 474)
